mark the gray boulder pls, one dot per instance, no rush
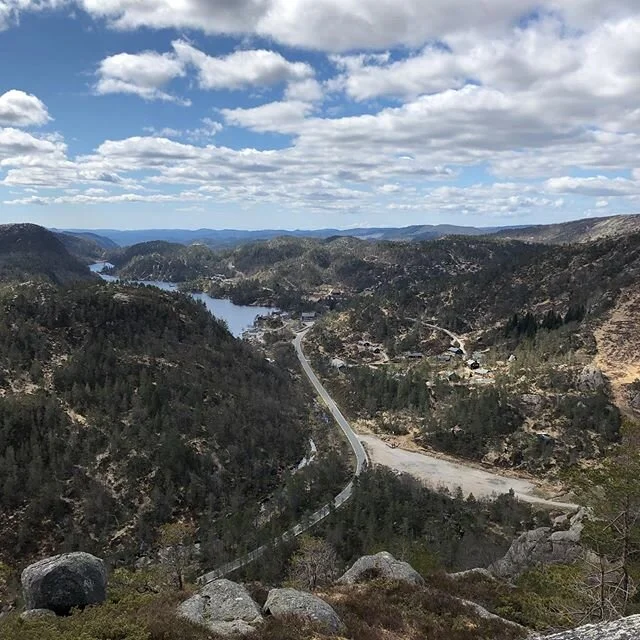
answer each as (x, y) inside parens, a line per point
(223, 607)
(63, 582)
(37, 614)
(299, 604)
(624, 629)
(591, 379)
(382, 565)
(541, 546)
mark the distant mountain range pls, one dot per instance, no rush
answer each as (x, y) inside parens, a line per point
(234, 237)
(562, 233)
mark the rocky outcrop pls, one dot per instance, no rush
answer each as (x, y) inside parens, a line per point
(541, 546)
(37, 614)
(624, 629)
(591, 379)
(299, 604)
(63, 582)
(382, 565)
(223, 607)
(478, 572)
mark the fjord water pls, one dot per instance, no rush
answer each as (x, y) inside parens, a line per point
(238, 317)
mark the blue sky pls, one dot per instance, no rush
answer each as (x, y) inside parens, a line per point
(311, 113)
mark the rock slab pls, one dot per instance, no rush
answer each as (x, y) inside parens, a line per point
(382, 565)
(224, 607)
(624, 629)
(300, 604)
(63, 582)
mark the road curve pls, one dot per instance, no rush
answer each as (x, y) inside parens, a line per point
(354, 441)
(320, 514)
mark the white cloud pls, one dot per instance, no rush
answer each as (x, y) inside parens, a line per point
(317, 24)
(283, 117)
(17, 147)
(593, 186)
(143, 74)
(207, 129)
(10, 9)
(334, 26)
(583, 74)
(241, 69)
(309, 90)
(20, 109)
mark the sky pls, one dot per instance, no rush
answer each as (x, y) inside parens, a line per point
(256, 114)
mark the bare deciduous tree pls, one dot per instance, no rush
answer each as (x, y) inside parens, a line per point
(315, 564)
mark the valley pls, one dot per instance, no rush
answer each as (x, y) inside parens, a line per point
(452, 390)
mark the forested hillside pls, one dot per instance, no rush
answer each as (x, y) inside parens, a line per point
(29, 252)
(122, 408)
(86, 247)
(159, 260)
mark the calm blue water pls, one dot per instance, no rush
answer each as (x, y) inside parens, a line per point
(238, 318)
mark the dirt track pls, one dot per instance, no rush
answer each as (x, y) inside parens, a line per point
(439, 472)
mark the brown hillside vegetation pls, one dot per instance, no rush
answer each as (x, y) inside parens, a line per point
(586, 230)
(618, 340)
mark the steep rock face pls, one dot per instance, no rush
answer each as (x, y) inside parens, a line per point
(624, 629)
(224, 607)
(63, 582)
(382, 565)
(299, 604)
(541, 546)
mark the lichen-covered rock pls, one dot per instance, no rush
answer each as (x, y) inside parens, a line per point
(300, 604)
(541, 546)
(223, 607)
(591, 379)
(37, 614)
(624, 629)
(382, 565)
(63, 582)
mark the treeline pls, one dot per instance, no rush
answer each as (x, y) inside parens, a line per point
(476, 420)
(431, 529)
(369, 391)
(529, 324)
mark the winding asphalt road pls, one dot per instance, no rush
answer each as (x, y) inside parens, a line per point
(321, 514)
(354, 441)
